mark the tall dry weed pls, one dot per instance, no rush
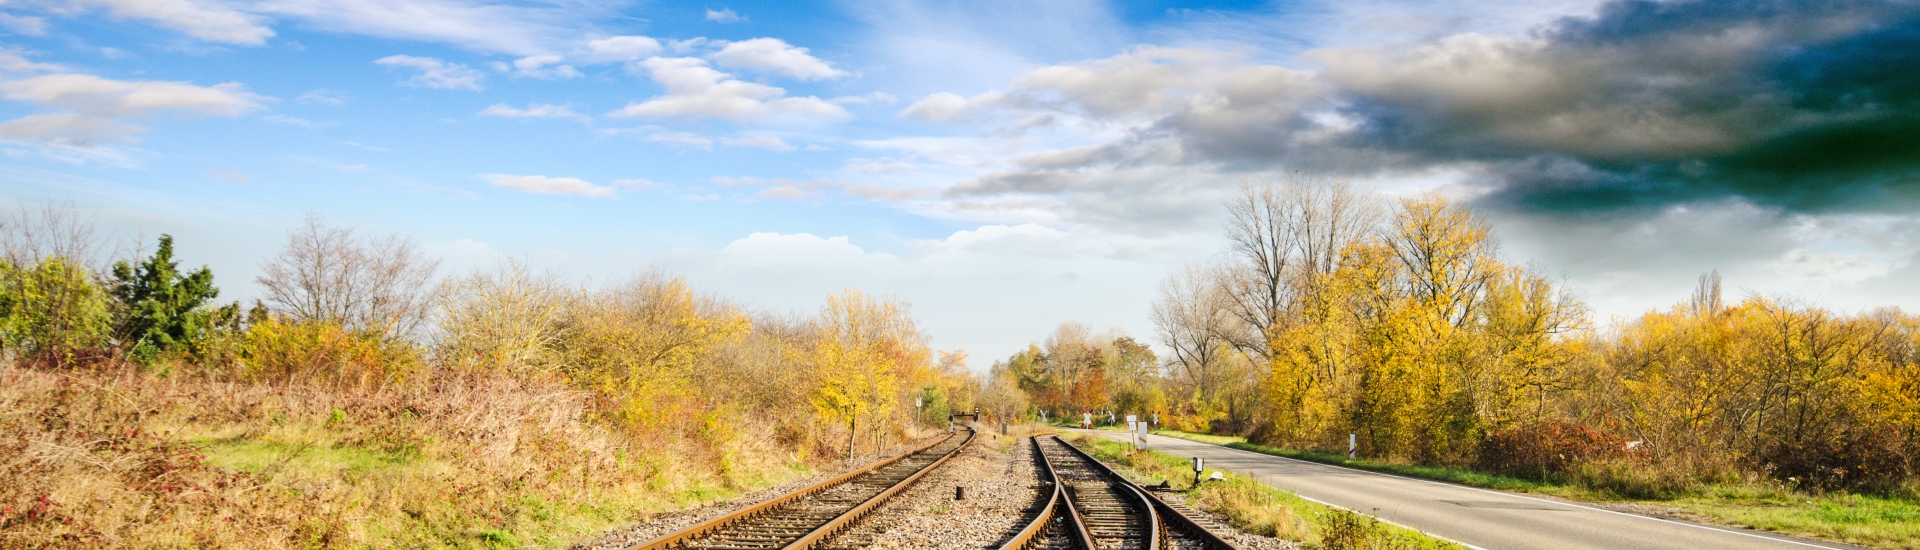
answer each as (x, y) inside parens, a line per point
(115, 458)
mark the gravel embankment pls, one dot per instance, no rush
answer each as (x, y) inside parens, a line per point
(997, 474)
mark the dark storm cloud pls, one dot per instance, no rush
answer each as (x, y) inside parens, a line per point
(1804, 106)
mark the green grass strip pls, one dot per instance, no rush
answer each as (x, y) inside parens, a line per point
(1259, 508)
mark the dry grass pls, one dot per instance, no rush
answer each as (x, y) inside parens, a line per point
(117, 458)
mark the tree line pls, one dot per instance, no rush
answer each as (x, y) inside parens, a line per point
(345, 309)
(1336, 310)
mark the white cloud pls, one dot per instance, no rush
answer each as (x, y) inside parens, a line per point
(15, 61)
(774, 250)
(783, 192)
(322, 97)
(203, 19)
(695, 90)
(97, 109)
(536, 110)
(643, 184)
(622, 48)
(69, 129)
(725, 15)
(483, 26)
(23, 24)
(772, 55)
(946, 107)
(876, 97)
(435, 73)
(550, 186)
(535, 66)
(771, 143)
(132, 99)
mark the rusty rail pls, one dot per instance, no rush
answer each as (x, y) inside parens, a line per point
(681, 538)
(1030, 536)
(1155, 535)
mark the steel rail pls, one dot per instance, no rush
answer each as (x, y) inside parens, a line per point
(1030, 536)
(847, 519)
(1062, 505)
(1181, 521)
(681, 538)
(1155, 535)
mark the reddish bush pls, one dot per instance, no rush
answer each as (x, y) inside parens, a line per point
(1536, 450)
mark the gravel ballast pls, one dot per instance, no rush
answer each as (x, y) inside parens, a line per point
(1001, 490)
(997, 475)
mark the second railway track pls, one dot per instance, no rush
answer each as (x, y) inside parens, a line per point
(808, 517)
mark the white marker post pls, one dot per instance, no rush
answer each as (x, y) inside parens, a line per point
(1353, 445)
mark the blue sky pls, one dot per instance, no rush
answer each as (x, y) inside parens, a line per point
(1004, 166)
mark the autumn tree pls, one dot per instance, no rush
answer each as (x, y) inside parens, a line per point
(862, 351)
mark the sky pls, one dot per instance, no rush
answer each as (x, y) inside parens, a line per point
(1002, 166)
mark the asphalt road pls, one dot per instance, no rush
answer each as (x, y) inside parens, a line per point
(1480, 518)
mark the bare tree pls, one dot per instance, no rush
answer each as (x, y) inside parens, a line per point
(1706, 296)
(1333, 214)
(332, 274)
(51, 230)
(1192, 320)
(1285, 237)
(1262, 229)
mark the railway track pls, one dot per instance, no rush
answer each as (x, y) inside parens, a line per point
(1087, 506)
(806, 518)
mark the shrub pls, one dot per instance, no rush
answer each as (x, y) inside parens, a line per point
(51, 308)
(1546, 448)
(324, 353)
